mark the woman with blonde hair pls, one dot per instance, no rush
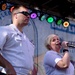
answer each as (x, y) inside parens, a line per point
(54, 62)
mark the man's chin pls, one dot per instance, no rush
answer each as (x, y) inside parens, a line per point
(25, 24)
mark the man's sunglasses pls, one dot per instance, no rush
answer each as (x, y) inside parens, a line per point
(24, 13)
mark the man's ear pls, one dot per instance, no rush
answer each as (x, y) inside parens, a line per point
(16, 16)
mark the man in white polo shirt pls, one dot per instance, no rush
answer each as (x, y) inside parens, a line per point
(17, 51)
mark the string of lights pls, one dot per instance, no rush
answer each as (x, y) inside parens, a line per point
(43, 16)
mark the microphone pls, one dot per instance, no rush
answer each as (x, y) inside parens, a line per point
(71, 45)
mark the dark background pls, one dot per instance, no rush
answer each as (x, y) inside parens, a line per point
(61, 8)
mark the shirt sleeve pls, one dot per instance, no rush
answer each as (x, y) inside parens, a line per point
(31, 47)
(51, 59)
(3, 35)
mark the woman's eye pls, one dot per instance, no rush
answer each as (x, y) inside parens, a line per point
(53, 40)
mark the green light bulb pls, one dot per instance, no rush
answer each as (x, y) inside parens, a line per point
(59, 22)
(50, 19)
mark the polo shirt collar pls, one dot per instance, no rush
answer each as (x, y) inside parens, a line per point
(16, 29)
